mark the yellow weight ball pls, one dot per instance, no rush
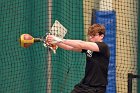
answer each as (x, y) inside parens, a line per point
(26, 40)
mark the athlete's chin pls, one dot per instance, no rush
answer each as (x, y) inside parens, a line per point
(92, 41)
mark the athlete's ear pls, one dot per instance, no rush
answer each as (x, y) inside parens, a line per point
(102, 35)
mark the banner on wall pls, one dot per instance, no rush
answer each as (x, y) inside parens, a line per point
(108, 19)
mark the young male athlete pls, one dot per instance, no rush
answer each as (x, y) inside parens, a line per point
(97, 59)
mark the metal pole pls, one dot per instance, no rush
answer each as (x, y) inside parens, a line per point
(49, 65)
(130, 78)
(130, 82)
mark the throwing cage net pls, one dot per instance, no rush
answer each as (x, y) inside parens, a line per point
(37, 69)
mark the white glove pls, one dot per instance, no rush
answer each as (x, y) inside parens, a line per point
(56, 40)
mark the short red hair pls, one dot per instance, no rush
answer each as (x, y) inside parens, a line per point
(96, 28)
